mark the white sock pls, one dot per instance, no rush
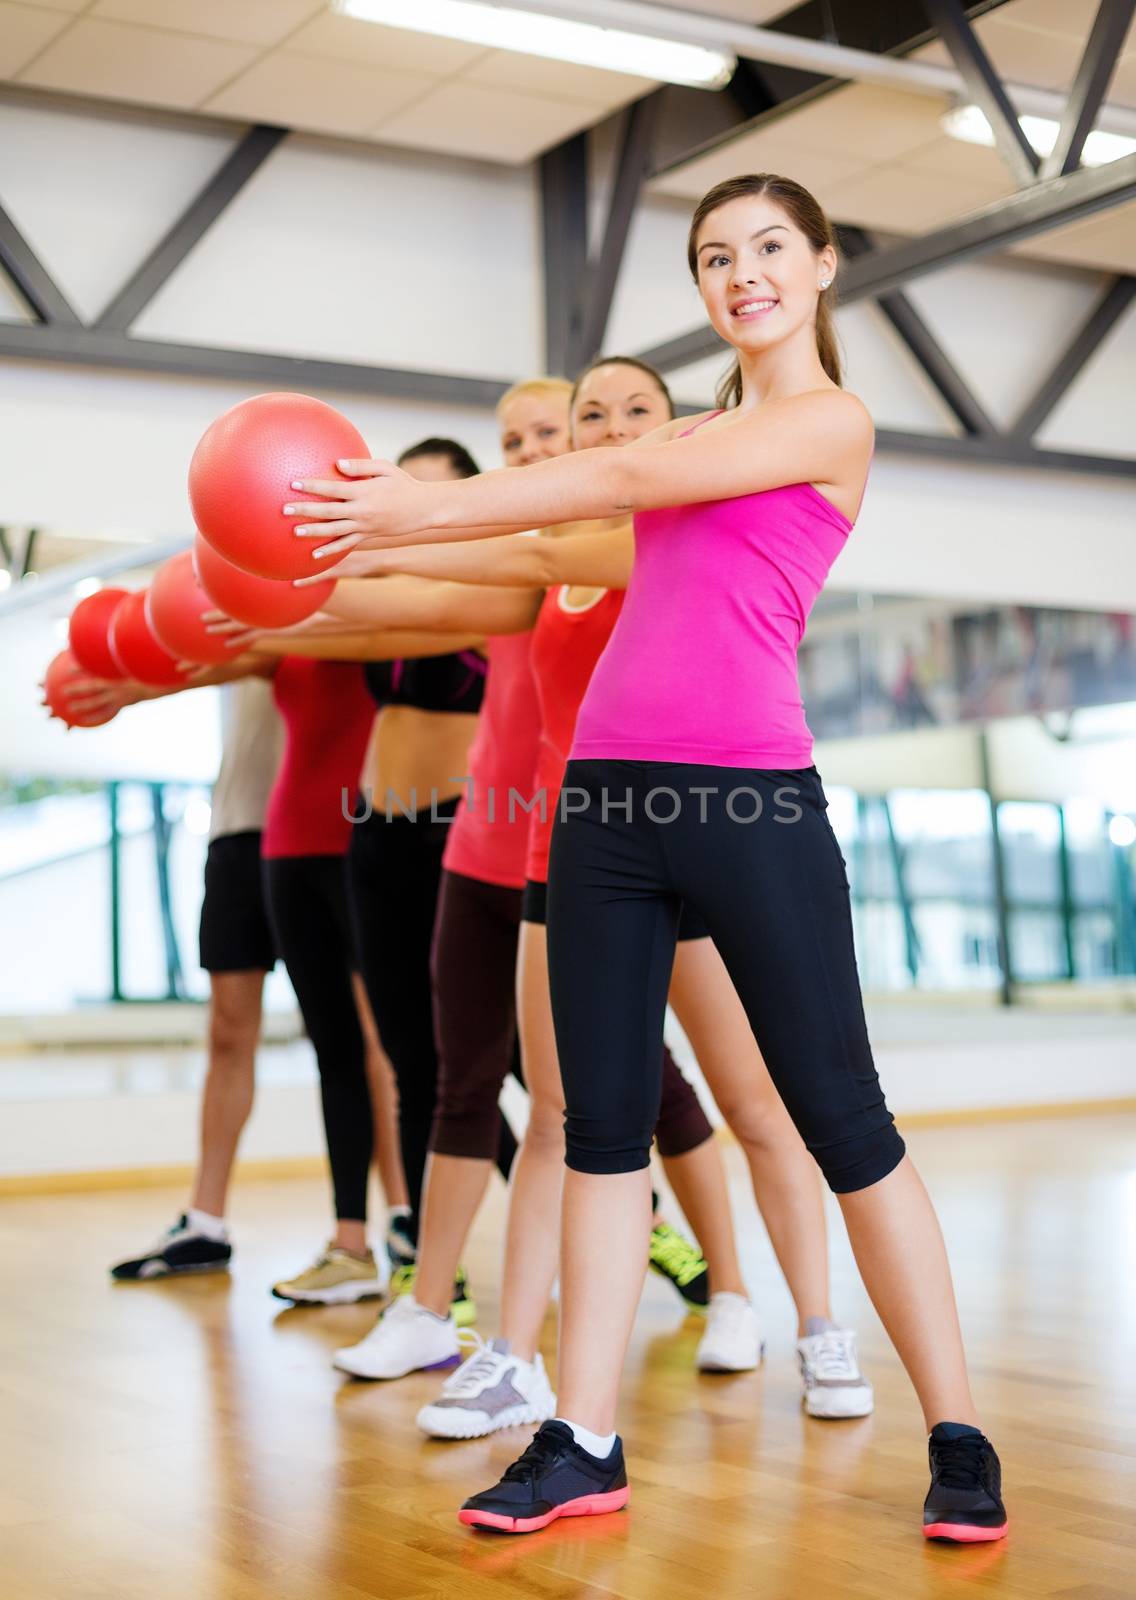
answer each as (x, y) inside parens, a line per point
(596, 1444)
(397, 1211)
(209, 1226)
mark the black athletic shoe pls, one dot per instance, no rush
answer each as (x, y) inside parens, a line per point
(964, 1502)
(554, 1478)
(401, 1248)
(679, 1261)
(179, 1249)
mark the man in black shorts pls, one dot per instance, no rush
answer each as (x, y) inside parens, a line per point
(237, 952)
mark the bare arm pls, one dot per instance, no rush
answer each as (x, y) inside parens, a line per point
(601, 560)
(363, 645)
(822, 437)
(425, 604)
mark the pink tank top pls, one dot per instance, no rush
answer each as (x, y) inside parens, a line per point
(702, 666)
(484, 842)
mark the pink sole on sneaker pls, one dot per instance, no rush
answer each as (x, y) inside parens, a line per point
(591, 1505)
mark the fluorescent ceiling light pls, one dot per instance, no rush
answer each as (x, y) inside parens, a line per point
(512, 28)
(969, 124)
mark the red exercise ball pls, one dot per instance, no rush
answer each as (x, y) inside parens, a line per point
(60, 670)
(258, 602)
(242, 473)
(87, 633)
(140, 655)
(175, 604)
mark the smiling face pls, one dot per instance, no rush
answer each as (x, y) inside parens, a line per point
(534, 427)
(616, 403)
(758, 274)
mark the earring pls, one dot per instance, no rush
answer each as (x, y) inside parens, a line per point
(825, 283)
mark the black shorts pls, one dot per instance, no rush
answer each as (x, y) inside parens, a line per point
(235, 935)
(534, 908)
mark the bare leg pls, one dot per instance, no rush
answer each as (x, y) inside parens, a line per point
(698, 1179)
(384, 1102)
(452, 1191)
(899, 1249)
(532, 1238)
(234, 1028)
(599, 1289)
(786, 1183)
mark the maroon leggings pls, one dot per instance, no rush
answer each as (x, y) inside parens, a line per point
(474, 967)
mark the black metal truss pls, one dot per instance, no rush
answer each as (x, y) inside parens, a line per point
(1098, 62)
(985, 88)
(38, 288)
(197, 218)
(564, 231)
(632, 168)
(1107, 312)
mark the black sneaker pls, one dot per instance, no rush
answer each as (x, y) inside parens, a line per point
(679, 1261)
(402, 1251)
(179, 1249)
(964, 1502)
(554, 1478)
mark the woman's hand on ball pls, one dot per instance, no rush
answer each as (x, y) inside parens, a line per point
(373, 500)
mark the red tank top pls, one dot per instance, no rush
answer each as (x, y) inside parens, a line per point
(488, 837)
(566, 647)
(327, 715)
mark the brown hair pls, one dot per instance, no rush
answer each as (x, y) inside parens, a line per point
(808, 214)
(625, 361)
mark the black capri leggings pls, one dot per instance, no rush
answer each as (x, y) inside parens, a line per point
(753, 852)
(394, 871)
(475, 960)
(307, 906)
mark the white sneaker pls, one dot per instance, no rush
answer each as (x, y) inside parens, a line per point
(406, 1338)
(491, 1390)
(830, 1372)
(732, 1341)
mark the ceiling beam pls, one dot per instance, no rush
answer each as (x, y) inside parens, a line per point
(1107, 312)
(984, 87)
(1001, 450)
(89, 347)
(198, 217)
(633, 167)
(1098, 63)
(45, 298)
(564, 232)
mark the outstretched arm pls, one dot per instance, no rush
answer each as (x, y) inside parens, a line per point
(823, 437)
(361, 644)
(425, 605)
(602, 560)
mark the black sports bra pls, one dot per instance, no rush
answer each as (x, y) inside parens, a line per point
(429, 683)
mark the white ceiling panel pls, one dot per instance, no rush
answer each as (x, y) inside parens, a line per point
(394, 49)
(70, 6)
(1072, 18)
(563, 80)
(866, 122)
(485, 124)
(1122, 89)
(1021, 55)
(125, 62)
(335, 97)
(1107, 240)
(263, 22)
(904, 199)
(24, 30)
(770, 150)
(955, 158)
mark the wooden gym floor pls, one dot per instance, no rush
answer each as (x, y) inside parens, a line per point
(189, 1440)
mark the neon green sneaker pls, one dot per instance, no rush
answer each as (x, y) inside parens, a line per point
(336, 1278)
(681, 1263)
(463, 1308)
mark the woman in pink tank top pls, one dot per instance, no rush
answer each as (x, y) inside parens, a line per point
(692, 782)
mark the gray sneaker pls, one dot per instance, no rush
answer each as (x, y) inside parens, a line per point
(492, 1389)
(834, 1385)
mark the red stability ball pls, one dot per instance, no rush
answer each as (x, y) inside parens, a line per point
(175, 605)
(60, 670)
(140, 655)
(242, 471)
(87, 632)
(258, 602)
